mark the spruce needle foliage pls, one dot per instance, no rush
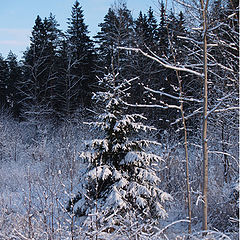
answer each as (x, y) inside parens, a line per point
(121, 175)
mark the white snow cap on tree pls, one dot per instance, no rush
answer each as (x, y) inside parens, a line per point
(121, 174)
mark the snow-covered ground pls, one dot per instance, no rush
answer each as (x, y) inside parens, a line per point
(40, 169)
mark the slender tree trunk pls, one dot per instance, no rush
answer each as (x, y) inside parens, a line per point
(225, 157)
(204, 6)
(186, 151)
(185, 138)
(187, 161)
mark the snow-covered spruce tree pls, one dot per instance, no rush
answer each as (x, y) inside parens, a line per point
(121, 175)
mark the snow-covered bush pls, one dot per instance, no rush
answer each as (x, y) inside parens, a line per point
(121, 175)
(41, 174)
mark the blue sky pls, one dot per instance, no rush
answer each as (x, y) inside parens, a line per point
(17, 18)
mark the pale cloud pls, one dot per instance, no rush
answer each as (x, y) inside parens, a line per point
(13, 43)
(12, 36)
(14, 31)
(14, 39)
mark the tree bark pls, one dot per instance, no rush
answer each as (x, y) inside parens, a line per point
(185, 142)
(204, 6)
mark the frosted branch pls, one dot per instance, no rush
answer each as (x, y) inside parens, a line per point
(160, 61)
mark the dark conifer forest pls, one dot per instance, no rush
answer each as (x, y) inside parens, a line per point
(129, 134)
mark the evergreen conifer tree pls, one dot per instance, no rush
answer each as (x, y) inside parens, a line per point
(106, 42)
(121, 177)
(116, 31)
(155, 38)
(141, 28)
(14, 77)
(40, 68)
(3, 82)
(146, 38)
(81, 50)
(163, 45)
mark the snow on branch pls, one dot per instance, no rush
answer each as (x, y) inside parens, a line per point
(220, 102)
(151, 105)
(228, 109)
(166, 65)
(171, 96)
(197, 111)
(190, 39)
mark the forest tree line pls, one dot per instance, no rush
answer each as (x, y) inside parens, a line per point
(59, 70)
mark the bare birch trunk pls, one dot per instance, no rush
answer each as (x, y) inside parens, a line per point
(204, 6)
(185, 139)
(187, 161)
(185, 149)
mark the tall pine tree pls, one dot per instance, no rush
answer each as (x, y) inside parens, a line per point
(40, 68)
(3, 82)
(81, 52)
(116, 31)
(14, 77)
